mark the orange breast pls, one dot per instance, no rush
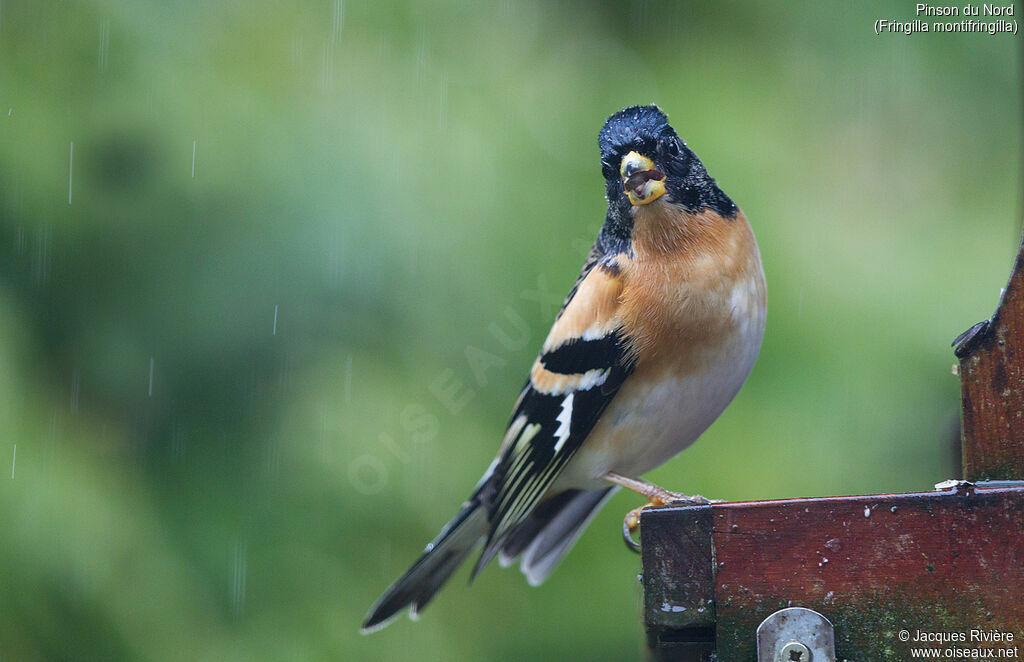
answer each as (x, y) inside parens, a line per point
(691, 279)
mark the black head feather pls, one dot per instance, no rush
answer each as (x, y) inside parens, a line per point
(634, 128)
(645, 130)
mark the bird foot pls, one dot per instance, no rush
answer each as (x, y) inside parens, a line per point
(657, 496)
(632, 520)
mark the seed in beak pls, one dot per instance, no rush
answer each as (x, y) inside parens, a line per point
(638, 180)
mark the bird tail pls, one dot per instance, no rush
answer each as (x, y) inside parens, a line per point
(551, 531)
(439, 560)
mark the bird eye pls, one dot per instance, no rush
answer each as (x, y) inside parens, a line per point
(673, 148)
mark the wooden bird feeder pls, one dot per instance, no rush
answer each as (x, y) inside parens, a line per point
(884, 570)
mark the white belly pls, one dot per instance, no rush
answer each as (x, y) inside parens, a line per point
(650, 421)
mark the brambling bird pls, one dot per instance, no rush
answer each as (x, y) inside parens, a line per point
(653, 341)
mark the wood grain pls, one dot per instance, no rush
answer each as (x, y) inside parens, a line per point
(872, 565)
(991, 357)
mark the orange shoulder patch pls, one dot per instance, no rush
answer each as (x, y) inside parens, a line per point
(592, 311)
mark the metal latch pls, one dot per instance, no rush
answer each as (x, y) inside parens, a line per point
(796, 634)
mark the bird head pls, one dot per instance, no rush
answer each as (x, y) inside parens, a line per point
(640, 153)
(645, 161)
(651, 176)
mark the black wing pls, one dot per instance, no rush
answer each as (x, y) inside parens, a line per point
(582, 365)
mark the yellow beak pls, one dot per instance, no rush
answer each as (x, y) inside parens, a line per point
(642, 182)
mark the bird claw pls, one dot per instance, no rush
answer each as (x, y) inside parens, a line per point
(632, 520)
(630, 524)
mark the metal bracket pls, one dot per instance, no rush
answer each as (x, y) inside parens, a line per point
(796, 634)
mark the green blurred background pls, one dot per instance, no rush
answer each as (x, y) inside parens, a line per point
(243, 245)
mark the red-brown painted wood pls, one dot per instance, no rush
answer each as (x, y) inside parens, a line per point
(992, 388)
(873, 565)
(946, 561)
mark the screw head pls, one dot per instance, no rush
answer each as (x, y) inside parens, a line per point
(794, 651)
